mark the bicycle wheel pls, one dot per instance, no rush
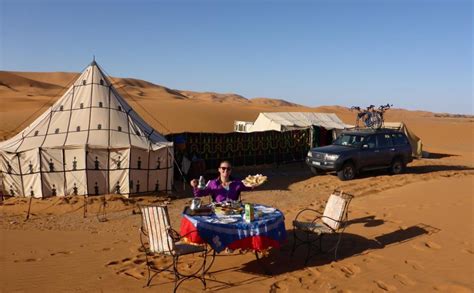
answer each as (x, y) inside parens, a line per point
(368, 120)
(376, 121)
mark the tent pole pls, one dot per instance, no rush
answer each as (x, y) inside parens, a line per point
(180, 172)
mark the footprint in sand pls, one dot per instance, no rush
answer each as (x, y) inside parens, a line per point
(112, 263)
(61, 253)
(314, 273)
(105, 249)
(432, 245)
(372, 257)
(451, 288)
(468, 251)
(28, 260)
(350, 270)
(404, 280)
(414, 264)
(418, 247)
(139, 261)
(280, 286)
(385, 286)
(135, 273)
(127, 259)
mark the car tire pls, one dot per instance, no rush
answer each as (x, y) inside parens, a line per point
(397, 166)
(347, 172)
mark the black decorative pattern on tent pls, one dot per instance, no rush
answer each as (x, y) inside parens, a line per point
(244, 149)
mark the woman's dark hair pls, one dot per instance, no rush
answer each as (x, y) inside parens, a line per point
(225, 161)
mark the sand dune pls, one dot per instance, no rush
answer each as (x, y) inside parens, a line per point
(58, 78)
(18, 83)
(273, 102)
(407, 233)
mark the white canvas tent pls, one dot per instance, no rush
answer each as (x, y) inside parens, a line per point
(89, 142)
(415, 141)
(283, 121)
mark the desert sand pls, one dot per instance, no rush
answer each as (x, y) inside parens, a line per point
(407, 233)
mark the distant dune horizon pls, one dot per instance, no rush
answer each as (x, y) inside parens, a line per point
(25, 95)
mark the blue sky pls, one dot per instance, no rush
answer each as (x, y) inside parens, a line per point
(415, 54)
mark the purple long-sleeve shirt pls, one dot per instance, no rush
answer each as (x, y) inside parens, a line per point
(219, 193)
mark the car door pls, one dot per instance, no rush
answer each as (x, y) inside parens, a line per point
(369, 153)
(385, 149)
(401, 146)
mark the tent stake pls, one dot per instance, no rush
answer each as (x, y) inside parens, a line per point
(85, 205)
(29, 209)
(102, 215)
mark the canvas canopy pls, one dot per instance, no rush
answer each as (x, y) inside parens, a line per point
(89, 142)
(284, 121)
(415, 141)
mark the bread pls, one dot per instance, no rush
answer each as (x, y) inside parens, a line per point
(255, 180)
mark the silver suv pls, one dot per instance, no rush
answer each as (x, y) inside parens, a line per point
(360, 150)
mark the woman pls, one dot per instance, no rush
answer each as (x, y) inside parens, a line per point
(223, 188)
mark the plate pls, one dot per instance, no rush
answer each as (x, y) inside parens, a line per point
(267, 210)
(316, 163)
(228, 220)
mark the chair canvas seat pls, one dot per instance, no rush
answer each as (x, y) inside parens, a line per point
(332, 221)
(334, 211)
(156, 222)
(162, 240)
(317, 228)
(182, 248)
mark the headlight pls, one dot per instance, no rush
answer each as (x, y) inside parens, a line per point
(332, 157)
(310, 154)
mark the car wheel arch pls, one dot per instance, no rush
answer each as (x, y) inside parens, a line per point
(401, 168)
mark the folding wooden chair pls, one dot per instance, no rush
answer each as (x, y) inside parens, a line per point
(332, 221)
(161, 239)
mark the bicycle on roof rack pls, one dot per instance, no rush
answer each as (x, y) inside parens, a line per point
(372, 117)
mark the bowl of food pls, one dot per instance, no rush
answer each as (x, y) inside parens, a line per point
(223, 210)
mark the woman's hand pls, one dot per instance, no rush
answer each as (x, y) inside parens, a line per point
(194, 183)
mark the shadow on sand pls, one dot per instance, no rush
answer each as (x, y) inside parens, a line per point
(416, 170)
(437, 168)
(279, 261)
(430, 155)
(368, 221)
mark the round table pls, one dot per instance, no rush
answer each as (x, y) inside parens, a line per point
(233, 232)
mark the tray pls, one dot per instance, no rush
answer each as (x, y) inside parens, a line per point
(203, 211)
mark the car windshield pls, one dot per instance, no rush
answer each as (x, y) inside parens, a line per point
(351, 140)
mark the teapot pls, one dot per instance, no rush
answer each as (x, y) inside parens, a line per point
(195, 203)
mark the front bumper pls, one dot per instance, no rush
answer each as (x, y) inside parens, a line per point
(323, 165)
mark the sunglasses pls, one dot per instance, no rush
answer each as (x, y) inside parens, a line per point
(225, 168)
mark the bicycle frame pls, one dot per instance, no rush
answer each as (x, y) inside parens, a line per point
(372, 118)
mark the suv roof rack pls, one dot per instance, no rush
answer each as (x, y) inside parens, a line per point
(368, 130)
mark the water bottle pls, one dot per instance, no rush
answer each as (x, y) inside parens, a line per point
(249, 213)
(202, 182)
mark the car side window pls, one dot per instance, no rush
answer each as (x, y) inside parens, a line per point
(399, 139)
(384, 140)
(370, 142)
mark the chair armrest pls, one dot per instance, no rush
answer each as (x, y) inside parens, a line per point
(320, 217)
(176, 236)
(306, 210)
